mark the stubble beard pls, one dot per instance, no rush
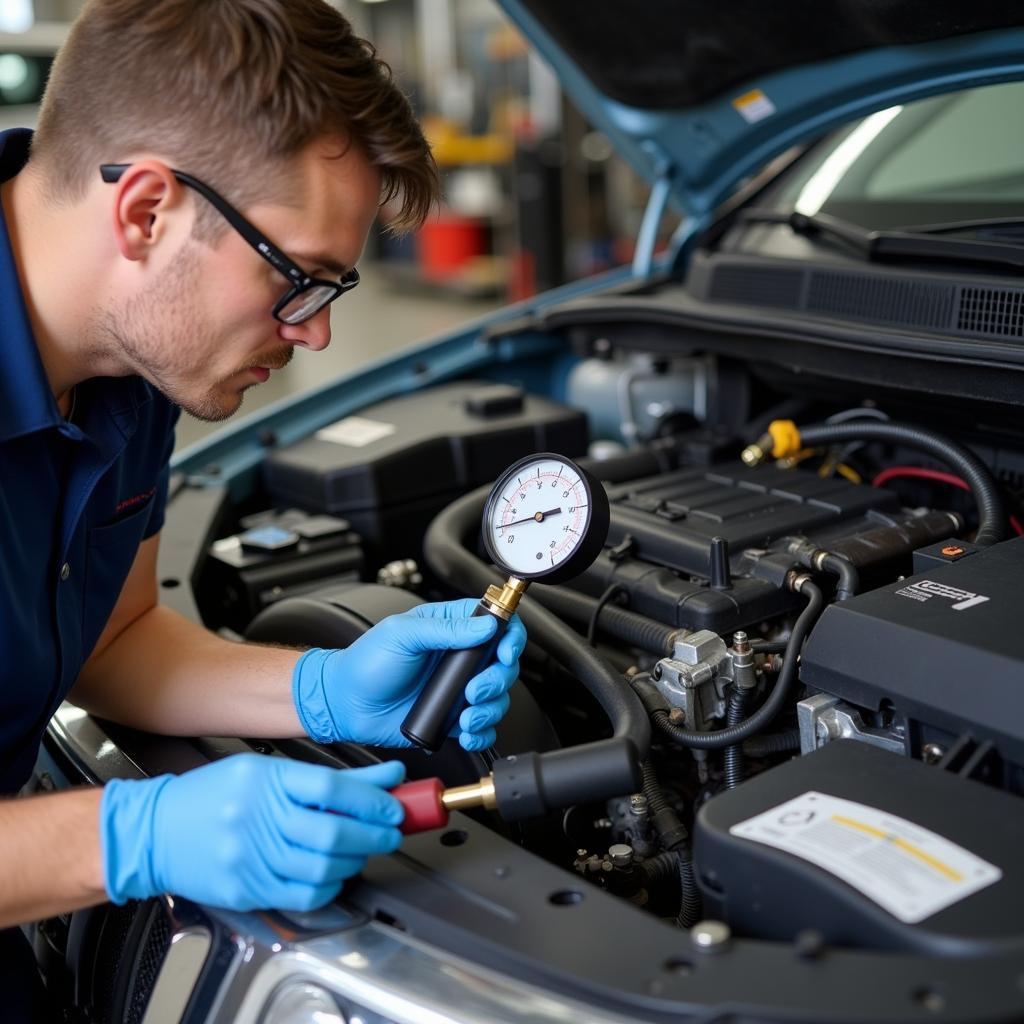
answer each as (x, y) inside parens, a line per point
(160, 335)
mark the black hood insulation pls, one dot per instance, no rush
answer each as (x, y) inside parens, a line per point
(669, 54)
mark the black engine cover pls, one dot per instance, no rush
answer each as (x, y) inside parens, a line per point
(943, 649)
(662, 529)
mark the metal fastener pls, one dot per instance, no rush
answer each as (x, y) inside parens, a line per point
(638, 804)
(932, 753)
(65, 571)
(621, 855)
(710, 936)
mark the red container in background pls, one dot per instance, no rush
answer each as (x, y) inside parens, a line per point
(446, 243)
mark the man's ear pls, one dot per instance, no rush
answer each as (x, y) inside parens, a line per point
(147, 197)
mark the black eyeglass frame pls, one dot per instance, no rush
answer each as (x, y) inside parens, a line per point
(301, 281)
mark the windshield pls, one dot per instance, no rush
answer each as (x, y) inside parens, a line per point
(950, 158)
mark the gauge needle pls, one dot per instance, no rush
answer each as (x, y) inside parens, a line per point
(537, 517)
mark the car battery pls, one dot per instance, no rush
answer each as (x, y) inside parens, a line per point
(393, 467)
(275, 555)
(869, 849)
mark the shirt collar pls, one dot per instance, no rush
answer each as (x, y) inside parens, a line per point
(26, 401)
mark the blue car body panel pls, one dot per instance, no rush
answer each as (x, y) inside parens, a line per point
(705, 150)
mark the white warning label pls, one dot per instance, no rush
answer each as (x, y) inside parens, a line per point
(927, 590)
(355, 431)
(911, 872)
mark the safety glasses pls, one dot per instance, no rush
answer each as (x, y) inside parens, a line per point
(306, 296)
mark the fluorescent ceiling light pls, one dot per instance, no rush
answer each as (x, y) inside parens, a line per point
(16, 15)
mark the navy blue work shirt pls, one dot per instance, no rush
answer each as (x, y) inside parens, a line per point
(76, 499)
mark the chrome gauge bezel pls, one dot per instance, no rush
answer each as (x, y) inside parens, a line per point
(595, 528)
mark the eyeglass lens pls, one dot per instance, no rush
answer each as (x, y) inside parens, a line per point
(306, 304)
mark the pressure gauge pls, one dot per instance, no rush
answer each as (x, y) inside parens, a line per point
(546, 519)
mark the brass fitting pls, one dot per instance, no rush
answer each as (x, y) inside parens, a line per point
(754, 454)
(781, 439)
(478, 794)
(503, 601)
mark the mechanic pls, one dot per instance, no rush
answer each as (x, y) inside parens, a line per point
(253, 142)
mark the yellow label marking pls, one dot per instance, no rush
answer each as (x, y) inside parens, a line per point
(915, 851)
(754, 96)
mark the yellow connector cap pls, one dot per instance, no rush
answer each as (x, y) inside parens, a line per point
(781, 440)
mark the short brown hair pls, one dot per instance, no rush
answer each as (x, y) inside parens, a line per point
(229, 90)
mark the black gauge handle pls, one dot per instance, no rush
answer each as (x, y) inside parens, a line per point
(442, 699)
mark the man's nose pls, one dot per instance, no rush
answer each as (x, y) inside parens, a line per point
(314, 333)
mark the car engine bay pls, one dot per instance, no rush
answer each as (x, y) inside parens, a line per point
(800, 598)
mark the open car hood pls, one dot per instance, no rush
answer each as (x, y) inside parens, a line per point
(698, 95)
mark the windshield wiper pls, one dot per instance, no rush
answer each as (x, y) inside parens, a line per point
(889, 245)
(988, 225)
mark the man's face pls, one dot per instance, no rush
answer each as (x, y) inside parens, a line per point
(203, 332)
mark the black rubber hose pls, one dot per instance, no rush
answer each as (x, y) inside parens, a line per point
(629, 627)
(730, 735)
(991, 508)
(446, 554)
(658, 456)
(768, 646)
(846, 571)
(734, 772)
(772, 743)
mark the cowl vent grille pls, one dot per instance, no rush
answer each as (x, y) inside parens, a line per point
(884, 298)
(760, 286)
(881, 299)
(994, 312)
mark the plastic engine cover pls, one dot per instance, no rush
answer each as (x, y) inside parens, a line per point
(869, 849)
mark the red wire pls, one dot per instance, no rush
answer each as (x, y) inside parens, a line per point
(920, 473)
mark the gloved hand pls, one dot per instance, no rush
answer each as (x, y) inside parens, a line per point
(363, 693)
(247, 832)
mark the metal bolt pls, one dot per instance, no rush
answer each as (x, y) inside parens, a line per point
(638, 804)
(621, 855)
(932, 753)
(710, 936)
(657, 671)
(581, 853)
(677, 716)
(740, 642)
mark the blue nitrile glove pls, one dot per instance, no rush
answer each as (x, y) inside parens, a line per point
(363, 693)
(247, 832)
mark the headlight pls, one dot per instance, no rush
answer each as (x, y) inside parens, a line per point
(303, 1004)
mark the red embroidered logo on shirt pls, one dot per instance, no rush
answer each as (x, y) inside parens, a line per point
(137, 500)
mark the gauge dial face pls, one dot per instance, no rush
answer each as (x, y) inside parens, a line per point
(538, 516)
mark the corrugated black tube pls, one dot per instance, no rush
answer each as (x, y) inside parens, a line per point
(690, 906)
(772, 743)
(659, 868)
(734, 767)
(991, 507)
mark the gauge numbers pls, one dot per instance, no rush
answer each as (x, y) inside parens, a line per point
(539, 516)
